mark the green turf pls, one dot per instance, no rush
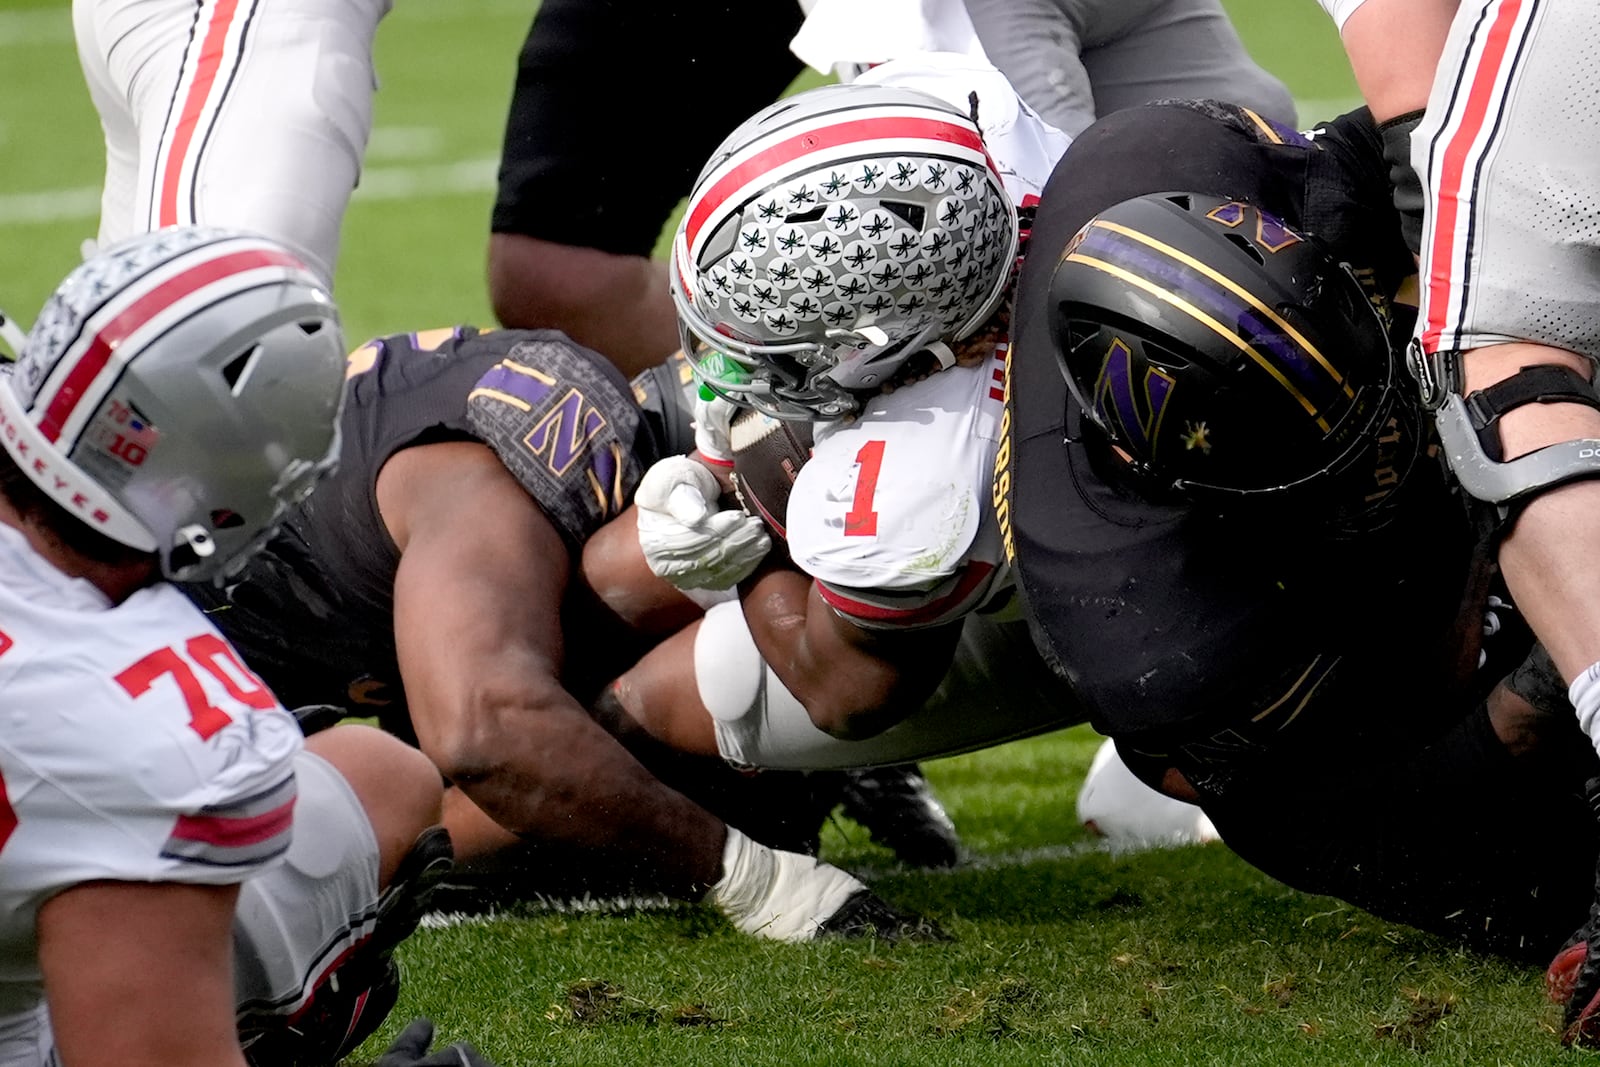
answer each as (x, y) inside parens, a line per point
(1062, 953)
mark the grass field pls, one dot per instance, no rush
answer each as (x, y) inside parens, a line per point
(1063, 953)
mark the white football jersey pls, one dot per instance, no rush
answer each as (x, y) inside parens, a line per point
(845, 38)
(893, 514)
(136, 747)
(1024, 146)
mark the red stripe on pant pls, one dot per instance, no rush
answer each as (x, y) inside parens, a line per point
(211, 50)
(1447, 197)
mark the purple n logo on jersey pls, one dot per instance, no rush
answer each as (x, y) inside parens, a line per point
(1136, 407)
(563, 432)
(562, 435)
(514, 382)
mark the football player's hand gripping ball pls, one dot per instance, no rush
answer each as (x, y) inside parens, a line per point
(685, 538)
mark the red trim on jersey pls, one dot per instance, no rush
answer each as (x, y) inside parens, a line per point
(997, 391)
(205, 76)
(136, 315)
(973, 575)
(235, 831)
(1447, 201)
(814, 140)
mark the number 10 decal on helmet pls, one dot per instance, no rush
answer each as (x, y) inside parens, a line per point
(831, 237)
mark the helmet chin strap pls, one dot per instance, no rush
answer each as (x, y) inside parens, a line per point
(942, 352)
(873, 335)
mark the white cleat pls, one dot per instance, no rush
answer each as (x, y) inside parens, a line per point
(1129, 814)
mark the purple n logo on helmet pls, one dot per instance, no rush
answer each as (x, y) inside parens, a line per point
(1135, 407)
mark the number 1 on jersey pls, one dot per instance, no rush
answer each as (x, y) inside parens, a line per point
(861, 520)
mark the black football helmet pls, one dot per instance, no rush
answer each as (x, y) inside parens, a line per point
(1224, 354)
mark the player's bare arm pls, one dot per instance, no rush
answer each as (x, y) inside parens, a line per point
(480, 649)
(141, 974)
(854, 682)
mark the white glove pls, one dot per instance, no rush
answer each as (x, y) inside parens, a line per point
(784, 896)
(685, 539)
(711, 420)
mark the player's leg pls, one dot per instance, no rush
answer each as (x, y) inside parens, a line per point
(1175, 49)
(1509, 332)
(252, 114)
(580, 209)
(398, 787)
(706, 690)
(1076, 60)
(314, 937)
(656, 710)
(1038, 46)
(89, 25)
(1462, 837)
(1511, 280)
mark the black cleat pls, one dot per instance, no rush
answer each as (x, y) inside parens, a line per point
(354, 998)
(314, 718)
(1573, 977)
(865, 914)
(897, 806)
(342, 1013)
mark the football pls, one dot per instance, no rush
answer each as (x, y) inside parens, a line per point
(767, 456)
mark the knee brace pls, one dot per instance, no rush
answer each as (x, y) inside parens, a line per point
(1471, 440)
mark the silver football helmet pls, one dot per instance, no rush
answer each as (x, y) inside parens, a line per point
(179, 392)
(832, 236)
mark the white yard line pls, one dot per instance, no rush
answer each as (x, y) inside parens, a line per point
(53, 25)
(418, 181)
(602, 905)
(35, 26)
(469, 177)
